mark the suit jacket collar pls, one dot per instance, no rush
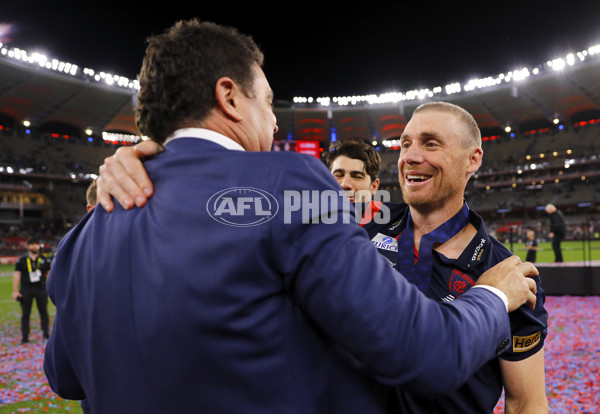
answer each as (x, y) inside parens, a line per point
(206, 134)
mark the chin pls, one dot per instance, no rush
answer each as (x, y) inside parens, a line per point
(419, 202)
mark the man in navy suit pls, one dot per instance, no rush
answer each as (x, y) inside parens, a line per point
(224, 294)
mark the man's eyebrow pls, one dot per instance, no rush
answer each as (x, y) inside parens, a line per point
(347, 171)
(425, 134)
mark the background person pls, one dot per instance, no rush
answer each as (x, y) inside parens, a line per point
(90, 196)
(531, 245)
(355, 166)
(29, 284)
(191, 314)
(558, 230)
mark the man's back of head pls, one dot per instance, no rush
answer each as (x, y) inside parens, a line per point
(180, 70)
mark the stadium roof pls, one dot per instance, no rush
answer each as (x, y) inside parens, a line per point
(53, 99)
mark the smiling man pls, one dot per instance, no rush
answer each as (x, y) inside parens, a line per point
(440, 150)
(355, 166)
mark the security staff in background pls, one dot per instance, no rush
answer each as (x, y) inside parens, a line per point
(29, 283)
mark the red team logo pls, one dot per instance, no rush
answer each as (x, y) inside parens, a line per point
(459, 282)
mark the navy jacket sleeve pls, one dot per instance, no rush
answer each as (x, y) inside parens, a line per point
(58, 367)
(337, 277)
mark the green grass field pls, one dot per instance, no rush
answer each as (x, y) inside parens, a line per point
(573, 251)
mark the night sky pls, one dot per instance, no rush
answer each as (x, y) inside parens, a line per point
(321, 48)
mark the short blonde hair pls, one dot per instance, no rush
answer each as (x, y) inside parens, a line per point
(90, 194)
(473, 137)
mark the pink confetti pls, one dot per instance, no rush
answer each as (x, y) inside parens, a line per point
(572, 354)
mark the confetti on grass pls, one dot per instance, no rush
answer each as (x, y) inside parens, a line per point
(572, 353)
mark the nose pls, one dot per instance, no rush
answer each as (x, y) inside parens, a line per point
(346, 182)
(411, 155)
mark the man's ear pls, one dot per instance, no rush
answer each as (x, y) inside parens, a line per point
(475, 158)
(227, 93)
(375, 186)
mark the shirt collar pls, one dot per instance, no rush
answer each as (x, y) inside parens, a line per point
(477, 252)
(206, 134)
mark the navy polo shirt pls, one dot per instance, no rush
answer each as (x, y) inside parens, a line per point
(450, 279)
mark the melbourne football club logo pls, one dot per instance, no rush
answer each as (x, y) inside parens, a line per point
(242, 206)
(459, 282)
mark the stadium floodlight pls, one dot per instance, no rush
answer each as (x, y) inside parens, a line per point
(324, 101)
(520, 74)
(557, 64)
(453, 88)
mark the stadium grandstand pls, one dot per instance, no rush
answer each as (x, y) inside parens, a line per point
(540, 129)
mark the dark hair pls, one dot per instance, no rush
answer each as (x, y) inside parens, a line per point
(357, 150)
(181, 68)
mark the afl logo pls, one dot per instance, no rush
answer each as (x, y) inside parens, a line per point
(242, 206)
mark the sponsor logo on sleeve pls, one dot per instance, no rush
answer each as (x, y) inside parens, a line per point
(525, 343)
(384, 242)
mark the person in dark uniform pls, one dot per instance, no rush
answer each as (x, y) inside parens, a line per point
(440, 149)
(558, 230)
(531, 245)
(29, 283)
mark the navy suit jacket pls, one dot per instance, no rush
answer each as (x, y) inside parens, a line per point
(183, 306)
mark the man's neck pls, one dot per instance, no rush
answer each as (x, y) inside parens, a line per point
(425, 221)
(33, 255)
